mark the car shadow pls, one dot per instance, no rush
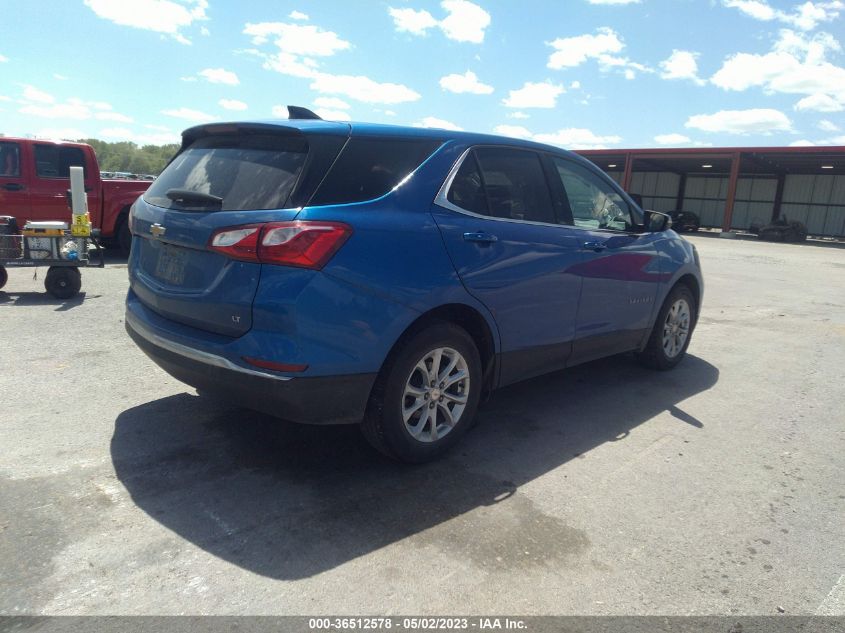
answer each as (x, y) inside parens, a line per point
(289, 501)
(44, 298)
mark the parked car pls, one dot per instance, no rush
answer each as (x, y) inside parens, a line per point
(685, 221)
(780, 230)
(391, 277)
(35, 176)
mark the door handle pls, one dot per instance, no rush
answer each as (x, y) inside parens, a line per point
(13, 186)
(481, 237)
(595, 246)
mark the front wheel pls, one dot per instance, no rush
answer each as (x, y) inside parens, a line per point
(63, 282)
(426, 396)
(670, 337)
(124, 238)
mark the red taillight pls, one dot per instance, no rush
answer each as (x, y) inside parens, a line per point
(303, 244)
(269, 364)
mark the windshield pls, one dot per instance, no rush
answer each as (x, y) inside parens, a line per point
(231, 173)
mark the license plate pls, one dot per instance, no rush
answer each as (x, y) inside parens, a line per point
(171, 266)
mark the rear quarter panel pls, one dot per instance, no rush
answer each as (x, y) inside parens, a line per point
(117, 196)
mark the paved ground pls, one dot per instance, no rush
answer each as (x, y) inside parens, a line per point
(607, 489)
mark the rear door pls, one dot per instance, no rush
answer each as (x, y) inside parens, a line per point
(219, 181)
(620, 269)
(502, 231)
(14, 193)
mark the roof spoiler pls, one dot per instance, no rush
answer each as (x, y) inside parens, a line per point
(298, 112)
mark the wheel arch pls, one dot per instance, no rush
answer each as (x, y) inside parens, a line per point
(470, 319)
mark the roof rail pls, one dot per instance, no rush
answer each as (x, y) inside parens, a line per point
(298, 112)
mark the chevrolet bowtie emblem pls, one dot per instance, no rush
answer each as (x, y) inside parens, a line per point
(157, 230)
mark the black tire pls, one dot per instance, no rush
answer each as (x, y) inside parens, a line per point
(654, 355)
(63, 282)
(384, 425)
(4, 276)
(124, 237)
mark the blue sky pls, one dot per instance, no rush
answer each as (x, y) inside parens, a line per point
(575, 73)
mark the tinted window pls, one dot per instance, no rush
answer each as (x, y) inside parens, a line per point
(368, 168)
(10, 159)
(593, 202)
(515, 185)
(247, 172)
(467, 191)
(55, 161)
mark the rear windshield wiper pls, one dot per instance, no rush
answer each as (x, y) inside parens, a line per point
(194, 198)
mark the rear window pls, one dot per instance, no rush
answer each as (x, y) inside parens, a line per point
(231, 173)
(370, 167)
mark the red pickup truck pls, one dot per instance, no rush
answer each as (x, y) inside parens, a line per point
(35, 176)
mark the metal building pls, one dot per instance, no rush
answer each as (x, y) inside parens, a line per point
(733, 187)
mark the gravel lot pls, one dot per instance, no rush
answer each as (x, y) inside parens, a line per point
(718, 488)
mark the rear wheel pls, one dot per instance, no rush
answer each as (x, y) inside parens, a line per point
(426, 396)
(670, 337)
(63, 282)
(4, 276)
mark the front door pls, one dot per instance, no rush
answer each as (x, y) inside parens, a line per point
(14, 194)
(501, 229)
(620, 268)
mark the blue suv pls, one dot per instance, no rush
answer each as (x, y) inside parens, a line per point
(392, 277)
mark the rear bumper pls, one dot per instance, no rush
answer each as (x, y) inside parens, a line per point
(307, 400)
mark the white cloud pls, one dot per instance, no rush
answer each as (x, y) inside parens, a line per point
(614, 1)
(672, 139)
(31, 93)
(302, 40)
(796, 65)
(219, 76)
(188, 114)
(232, 104)
(363, 89)
(602, 47)
(828, 126)
(332, 103)
(3, 59)
(298, 15)
(805, 16)
(160, 16)
(802, 143)
(333, 115)
(125, 134)
(464, 22)
(753, 121)
(534, 95)
(820, 103)
(518, 115)
(577, 138)
(441, 124)
(64, 134)
(681, 65)
(468, 82)
(572, 138)
(514, 131)
(412, 21)
(60, 77)
(38, 103)
(295, 42)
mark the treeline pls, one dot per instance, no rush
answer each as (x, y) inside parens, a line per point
(128, 156)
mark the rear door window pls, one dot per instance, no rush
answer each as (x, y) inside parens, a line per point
(232, 173)
(515, 184)
(55, 161)
(368, 168)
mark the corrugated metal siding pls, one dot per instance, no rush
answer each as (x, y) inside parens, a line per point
(658, 189)
(816, 200)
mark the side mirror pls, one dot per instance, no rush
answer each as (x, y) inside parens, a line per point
(656, 222)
